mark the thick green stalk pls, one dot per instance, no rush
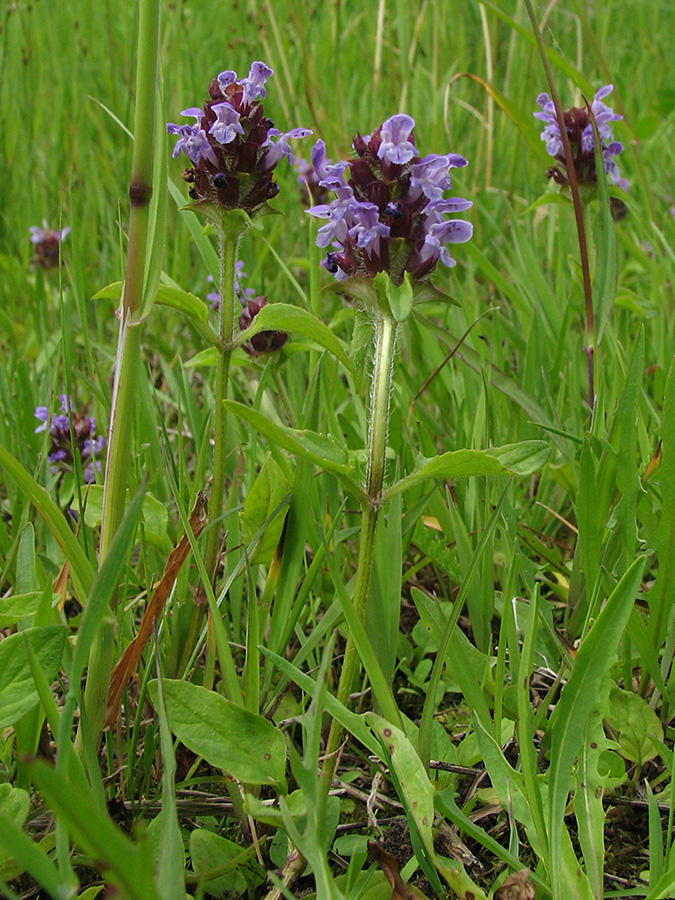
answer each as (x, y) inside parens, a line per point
(129, 344)
(377, 448)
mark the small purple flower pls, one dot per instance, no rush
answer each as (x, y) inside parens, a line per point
(47, 245)
(579, 129)
(83, 439)
(280, 148)
(395, 146)
(227, 126)
(233, 147)
(254, 85)
(389, 215)
(193, 142)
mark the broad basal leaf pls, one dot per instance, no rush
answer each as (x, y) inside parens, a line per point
(231, 738)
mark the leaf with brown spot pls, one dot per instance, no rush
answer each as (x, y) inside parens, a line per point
(126, 666)
(517, 887)
(391, 868)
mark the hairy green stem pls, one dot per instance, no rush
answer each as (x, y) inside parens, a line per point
(228, 257)
(377, 458)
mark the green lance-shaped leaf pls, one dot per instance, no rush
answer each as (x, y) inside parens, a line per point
(580, 697)
(285, 317)
(268, 491)
(414, 788)
(512, 459)
(18, 693)
(317, 448)
(241, 743)
(173, 297)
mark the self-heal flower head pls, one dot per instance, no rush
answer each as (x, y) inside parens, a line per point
(83, 440)
(390, 212)
(579, 128)
(232, 147)
(47, 249)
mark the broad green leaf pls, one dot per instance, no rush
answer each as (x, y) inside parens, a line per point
(81, 570)
(21, 606)
(14, 806)
(14, 803)
(154, 515)
(358, 287)
(636, 725)
(317, 448)
(589, 810)
(285, 317)
(207, 357)
(512, 459)
(581, 695)
(18, 694)
(268, 491)
(210, 852)
(241, 743)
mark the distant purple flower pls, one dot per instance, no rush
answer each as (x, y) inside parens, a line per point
(389, 215)
(83, 440)
(233, 147)
(579, 129)
(47, 245)
(243, 295)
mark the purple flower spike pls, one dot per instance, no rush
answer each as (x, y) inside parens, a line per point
(389, 215)
(395, 146)
(579, 129)
(232, 147)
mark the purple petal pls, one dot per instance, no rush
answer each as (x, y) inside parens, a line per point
(395, 146)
